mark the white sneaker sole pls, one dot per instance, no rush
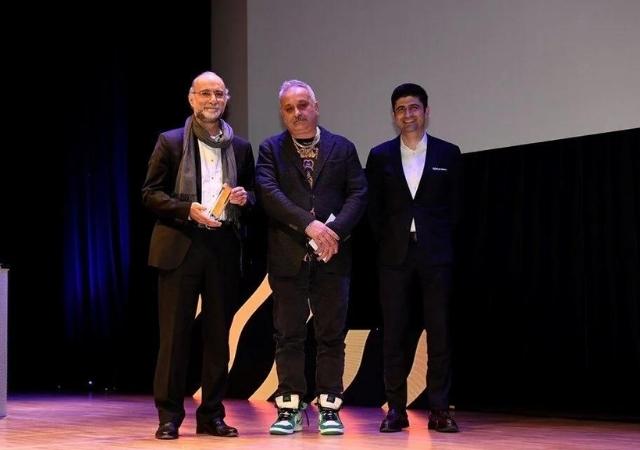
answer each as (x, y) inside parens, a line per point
(332, 432)
(283, 431)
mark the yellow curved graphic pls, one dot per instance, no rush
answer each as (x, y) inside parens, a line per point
(354, 349)
(240, 319)
(268, 386)
(243, 315)
(417, 380)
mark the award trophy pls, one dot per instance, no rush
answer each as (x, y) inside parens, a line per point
(221, 202)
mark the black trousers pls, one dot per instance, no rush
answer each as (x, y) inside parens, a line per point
(435, 286)
(210, 268)
(327, 295)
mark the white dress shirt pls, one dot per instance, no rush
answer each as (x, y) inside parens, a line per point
(413, 162)
(211, 171)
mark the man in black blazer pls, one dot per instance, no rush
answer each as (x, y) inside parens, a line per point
(312, 187)
(197, 252)
(414, 183)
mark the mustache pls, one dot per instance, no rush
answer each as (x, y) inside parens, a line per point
(299, 119)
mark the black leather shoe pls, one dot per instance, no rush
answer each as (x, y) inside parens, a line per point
(216, 427)
(395, 421)
(167, 430)
(441, 420)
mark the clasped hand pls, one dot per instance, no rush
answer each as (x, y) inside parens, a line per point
(325, 238)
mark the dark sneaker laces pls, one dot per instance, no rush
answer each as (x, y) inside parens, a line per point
(328, 414)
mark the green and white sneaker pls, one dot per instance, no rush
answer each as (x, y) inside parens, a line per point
(329, 422)
(289, 415)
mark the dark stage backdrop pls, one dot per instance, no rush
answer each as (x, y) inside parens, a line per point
(547, 314)
(546, 308)
(96, 87)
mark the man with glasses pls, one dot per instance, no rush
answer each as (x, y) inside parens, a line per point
(312, 187)
(414, 185)
(199, 180)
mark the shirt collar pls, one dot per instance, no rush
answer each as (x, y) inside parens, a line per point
(422, 145)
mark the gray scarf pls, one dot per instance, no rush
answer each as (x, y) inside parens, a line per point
(186, 187)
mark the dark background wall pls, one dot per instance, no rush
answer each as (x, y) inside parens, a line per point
(546, 311)
(547, 314)
(91, 95)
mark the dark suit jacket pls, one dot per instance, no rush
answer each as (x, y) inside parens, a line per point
(436, 206)
(171, 239)
(340, 188)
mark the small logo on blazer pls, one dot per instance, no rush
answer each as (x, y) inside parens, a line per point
(442, 169)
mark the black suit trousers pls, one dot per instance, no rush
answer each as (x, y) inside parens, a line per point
(435, 287)
(211, 268)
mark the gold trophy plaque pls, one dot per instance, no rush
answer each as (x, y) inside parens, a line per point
(221, 202)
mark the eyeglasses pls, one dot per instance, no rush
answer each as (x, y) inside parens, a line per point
(207, 94)
(411, 109)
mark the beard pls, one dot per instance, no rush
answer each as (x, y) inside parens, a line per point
(208, 116)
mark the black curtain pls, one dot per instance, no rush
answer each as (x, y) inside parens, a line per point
(547, 311)
(96, 85)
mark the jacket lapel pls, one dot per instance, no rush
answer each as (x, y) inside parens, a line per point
(291, 154)
(326, 147)
(429, 161)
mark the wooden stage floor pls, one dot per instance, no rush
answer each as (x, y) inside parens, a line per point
(98, 422)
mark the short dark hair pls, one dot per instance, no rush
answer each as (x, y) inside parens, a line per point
(409, 90)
